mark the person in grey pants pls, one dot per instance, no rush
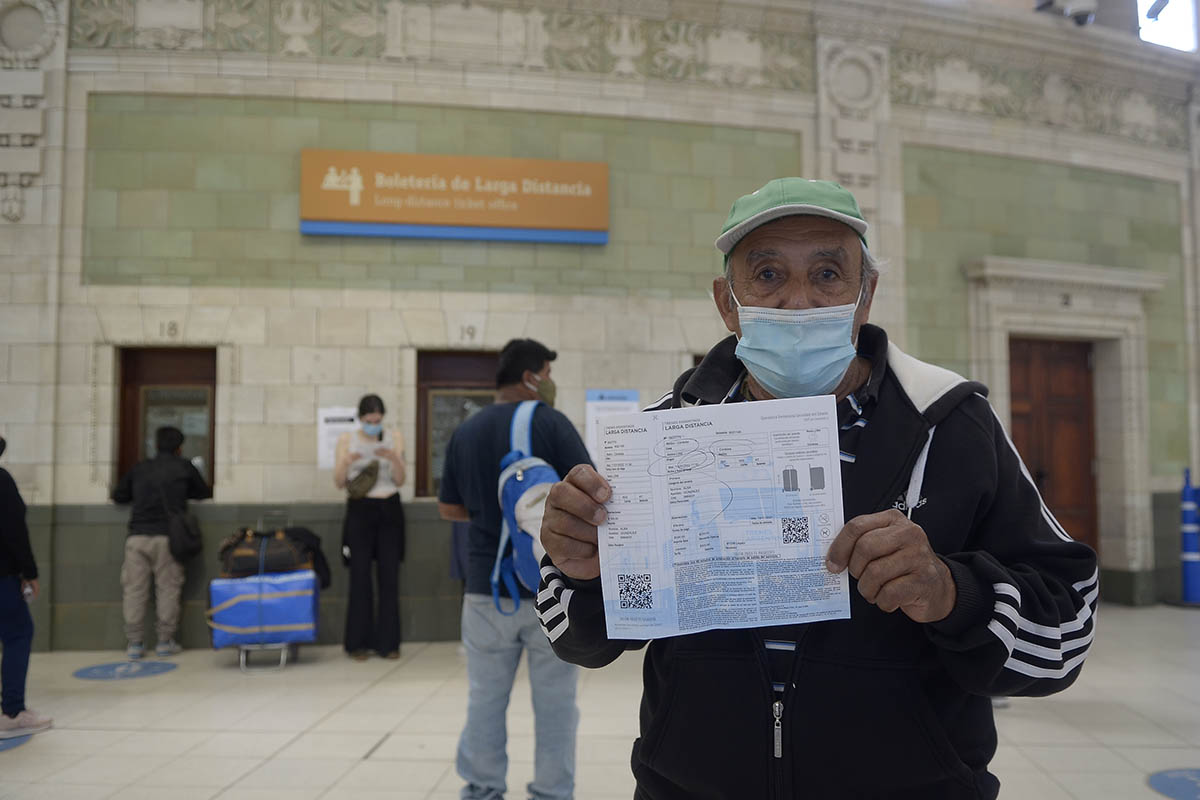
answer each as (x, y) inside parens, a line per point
(155, 487)
(494, 639)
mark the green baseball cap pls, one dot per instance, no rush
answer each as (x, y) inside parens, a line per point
(784, 197)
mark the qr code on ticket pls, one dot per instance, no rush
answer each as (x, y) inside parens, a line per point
(795, 530)
(635, 591)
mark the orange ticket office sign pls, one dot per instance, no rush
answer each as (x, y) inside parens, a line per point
(409, 195)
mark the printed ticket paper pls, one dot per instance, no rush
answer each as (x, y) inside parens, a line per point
(721, 517)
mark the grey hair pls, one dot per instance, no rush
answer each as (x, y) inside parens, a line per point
(870, 264)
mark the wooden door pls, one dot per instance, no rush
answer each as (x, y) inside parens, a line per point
(1053, 427)
(167, 386)
(451, 386)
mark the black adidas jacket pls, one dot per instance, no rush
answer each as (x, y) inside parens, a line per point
(878, 706)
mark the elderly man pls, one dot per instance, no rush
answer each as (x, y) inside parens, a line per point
(964, 585)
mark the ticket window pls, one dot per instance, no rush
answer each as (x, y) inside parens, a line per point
(167, 386)
(451, 387)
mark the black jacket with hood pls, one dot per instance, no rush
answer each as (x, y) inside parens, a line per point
(877, 705)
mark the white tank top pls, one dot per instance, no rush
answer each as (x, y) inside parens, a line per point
(385, 485)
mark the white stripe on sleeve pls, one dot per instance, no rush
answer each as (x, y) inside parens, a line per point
(1046, 515)
(1019, 646)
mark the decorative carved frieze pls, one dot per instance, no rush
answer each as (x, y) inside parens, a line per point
(465, 33)
(956, 83)
(242, 26)
(102, 24)
(297, 27)
(578, 42)
(721, 44)
(772, 50)
(680, 50)
(169, 24)
(351, 28)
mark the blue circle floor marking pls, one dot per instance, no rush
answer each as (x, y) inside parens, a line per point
(16, 741)
(1179, 784)
(124, 670)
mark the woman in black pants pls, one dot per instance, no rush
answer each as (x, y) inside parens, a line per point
(370, 466)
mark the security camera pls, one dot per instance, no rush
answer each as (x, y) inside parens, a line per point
(1082, 11)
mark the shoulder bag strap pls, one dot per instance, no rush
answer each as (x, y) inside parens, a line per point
(521, 435)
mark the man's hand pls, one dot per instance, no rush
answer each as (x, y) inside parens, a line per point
(895, 566)
(33, 584)
(573, 510)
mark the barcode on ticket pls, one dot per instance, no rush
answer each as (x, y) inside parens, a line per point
(635, 590)
(795, 530)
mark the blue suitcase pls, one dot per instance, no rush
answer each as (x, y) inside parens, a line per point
(275, 608)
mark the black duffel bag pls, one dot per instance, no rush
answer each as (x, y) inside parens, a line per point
(250, 552)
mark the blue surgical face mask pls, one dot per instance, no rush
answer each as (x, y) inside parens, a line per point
(797, 352)
(372, 428)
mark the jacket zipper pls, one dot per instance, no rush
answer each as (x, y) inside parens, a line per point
(777, 710)
(777, 761)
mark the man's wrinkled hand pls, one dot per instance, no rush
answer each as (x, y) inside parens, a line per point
(574, 509)
(895, 566)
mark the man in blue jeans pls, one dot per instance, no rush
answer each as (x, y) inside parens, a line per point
(494, 642)
(18, 580)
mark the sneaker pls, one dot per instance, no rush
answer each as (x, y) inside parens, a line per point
(360, 655)
(23, 724)
(167, 649)
(134, 651)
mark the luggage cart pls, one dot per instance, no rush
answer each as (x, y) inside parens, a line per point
(285, 651)
(288, 649)
(273, 611)
(276, 518)
(271, 519)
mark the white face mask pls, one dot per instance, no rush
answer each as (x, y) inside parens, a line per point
(797, 352)
(545, 388)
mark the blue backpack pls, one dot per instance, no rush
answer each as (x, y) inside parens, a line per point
(525, 481)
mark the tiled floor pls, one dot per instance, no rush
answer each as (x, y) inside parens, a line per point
(330, 728)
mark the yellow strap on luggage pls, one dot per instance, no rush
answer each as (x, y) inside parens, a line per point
(233, 601)
(299, 626)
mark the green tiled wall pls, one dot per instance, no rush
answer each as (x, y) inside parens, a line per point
(194, 190)
(80, 548)
(960, 207)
